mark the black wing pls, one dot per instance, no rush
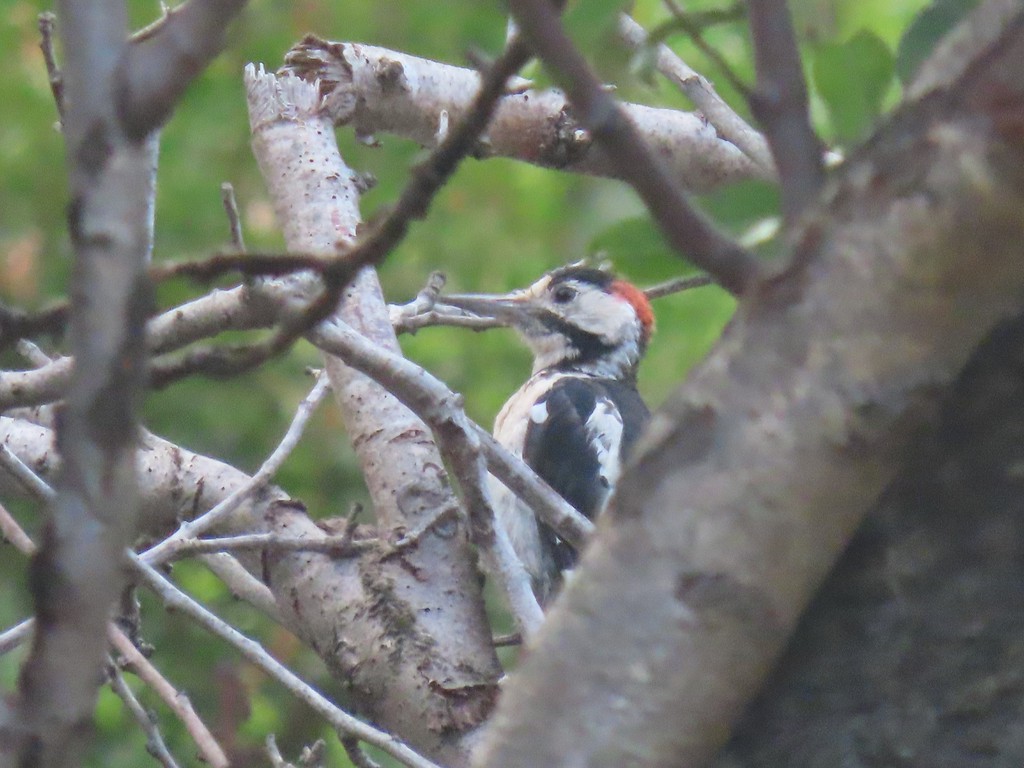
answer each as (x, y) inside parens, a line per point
(560, 447)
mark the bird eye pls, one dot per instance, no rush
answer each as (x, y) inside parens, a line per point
(564, 294)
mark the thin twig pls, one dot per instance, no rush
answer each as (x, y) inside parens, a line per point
(311, 756)
(339, 546)
(341, 721)
(192, 529)
(16, 635)
(47, 22)
(14, 533)
(155, 744)
(462, 445)
(701, 20)
(38, 488)
(443, 315)
(139, 664)
(780, 104)
(246, 264)
(695, 31)
(16, 323)
(32, 352)
(212, 753)
(701, 92)
(426, 180)
(677, 285)
(274, 753)
(227, 196)
(505, 641)
(688, 231)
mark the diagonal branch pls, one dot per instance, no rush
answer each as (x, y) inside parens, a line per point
(686, 229)
(341, 721)
(162, 61)
(701, 92)
(780, 103)
(177, 702)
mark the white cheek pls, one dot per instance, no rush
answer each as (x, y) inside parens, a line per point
(611, 320)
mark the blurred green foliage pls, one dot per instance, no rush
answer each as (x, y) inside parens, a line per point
(497, 225)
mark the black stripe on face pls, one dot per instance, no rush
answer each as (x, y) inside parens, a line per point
(588, 346)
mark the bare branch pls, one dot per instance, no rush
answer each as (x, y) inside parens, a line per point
(341, 545)
(780, 104)
(519, 478)
(54, 75)
(143, 668)
(691, 24)
(441, 315)
(316, 202)
(689, 232)
(176, 701)
(311, 757)
(78, 568)
(678, 285)
(337, 273)
(379, 90)
(243, 585)
(159, 65)
(701, 92)
(155, 744)
(33, 353)
(190, 530)
(16, 324)
(15, 636)
(227, 196)
(30, 481)
(834, 368)
(274, 753)
(341, 721)
(462, 444)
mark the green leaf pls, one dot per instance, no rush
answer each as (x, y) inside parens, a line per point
(930, 26)
(852, 79)
(636, 248)
(590, 22)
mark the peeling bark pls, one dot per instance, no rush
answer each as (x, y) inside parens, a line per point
(387, 622)
(376, 90)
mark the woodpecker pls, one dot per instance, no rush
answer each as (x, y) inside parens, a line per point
(577, 416)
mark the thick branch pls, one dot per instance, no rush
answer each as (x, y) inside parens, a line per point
(386, 658)
(381, 91)
(159, 64)
(715, 542)
(76, 576)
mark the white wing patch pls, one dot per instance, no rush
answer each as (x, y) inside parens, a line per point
(539, 413)
(604, 431)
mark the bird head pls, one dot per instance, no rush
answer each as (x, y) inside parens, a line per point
(575, 318)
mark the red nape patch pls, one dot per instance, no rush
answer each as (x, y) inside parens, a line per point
(641, 305)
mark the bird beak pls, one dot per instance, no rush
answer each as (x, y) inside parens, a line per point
(510, 309)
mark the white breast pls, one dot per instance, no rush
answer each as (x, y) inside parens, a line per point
(512, 514)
